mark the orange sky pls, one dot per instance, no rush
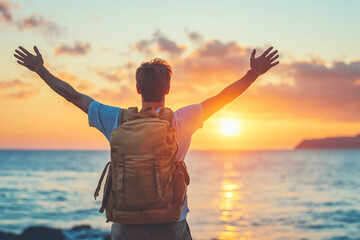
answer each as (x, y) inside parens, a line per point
(310, 95)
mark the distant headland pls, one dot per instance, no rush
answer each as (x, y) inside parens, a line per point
(331, 143)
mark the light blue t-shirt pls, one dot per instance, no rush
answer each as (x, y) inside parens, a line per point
(186, 121)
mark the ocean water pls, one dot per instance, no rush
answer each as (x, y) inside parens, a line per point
(232, 195)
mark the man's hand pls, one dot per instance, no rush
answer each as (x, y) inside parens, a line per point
(262, 64)
(32, 62)
(36, 63)
(259, 65)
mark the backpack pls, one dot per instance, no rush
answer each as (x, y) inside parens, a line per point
(145, 183)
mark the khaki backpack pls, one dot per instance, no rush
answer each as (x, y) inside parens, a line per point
(146, 183)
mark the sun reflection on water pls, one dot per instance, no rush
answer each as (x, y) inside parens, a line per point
(231, 207)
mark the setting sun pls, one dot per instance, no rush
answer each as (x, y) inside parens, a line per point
(229, 127)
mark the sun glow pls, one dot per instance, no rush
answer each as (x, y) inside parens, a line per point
(229, 127)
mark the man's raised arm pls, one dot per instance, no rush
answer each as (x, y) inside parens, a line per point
(259, 66)
(35, 63)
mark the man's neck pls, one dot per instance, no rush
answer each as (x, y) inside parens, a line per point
(154, 105)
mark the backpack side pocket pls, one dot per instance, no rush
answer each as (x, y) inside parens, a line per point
(179, 188)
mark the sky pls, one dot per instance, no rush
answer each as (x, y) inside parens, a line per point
(96, 47)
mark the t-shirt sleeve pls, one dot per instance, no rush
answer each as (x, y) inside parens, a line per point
(103, 117)
(189, 119)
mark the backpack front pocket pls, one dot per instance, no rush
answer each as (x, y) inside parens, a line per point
(138, 183)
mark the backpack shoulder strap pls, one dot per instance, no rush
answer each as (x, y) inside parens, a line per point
(166, 114)
(126, 114)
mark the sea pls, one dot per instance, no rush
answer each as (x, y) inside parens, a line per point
(247, 195)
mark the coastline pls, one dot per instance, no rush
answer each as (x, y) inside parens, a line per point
(41, 232)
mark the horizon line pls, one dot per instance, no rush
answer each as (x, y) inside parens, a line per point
(106, 150)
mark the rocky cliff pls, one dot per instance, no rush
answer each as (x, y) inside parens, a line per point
(331, 143)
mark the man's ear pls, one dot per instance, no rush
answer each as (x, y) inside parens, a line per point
(167, 90)
(138, 89)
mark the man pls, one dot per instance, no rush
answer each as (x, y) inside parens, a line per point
(152, 83)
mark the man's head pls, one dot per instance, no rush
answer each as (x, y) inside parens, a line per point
(153, 80)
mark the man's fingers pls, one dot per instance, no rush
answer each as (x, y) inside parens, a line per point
(19, 57)
(266, 52)
(20, 53)
(273, 59)
(21, 63)
(25, 51)
(271, 55)
(253, 53)
(37, 51)
(274, 64)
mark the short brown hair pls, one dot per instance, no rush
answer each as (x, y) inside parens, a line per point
(153, 78)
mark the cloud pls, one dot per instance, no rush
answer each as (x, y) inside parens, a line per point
(122, 95)
(17, 89)
(32, 21)
(205, 69)
(166, 45)
(123, 91)
(50, 30)
(292, 90)
(195, 37)
(130, 66)
(212, 63)
(208, 65)
(122, 74)
(80, 48)
(317, 91)
(5, 12)
(116, 76)
(143, 46)
(216, 48)
(23, 94)
(12, 84)
(298, 89)
(77, 83)
(159, 44)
